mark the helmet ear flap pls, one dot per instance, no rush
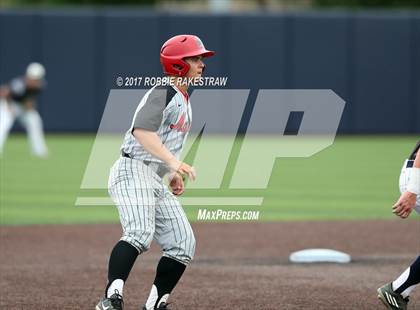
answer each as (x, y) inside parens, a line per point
(180, 67)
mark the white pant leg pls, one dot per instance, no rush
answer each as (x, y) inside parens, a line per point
(173, 231)
(32, 122)
(404, 179)
(130, 187)
(7, 118)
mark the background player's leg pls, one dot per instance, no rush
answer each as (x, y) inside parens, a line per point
(33, 124)
(175, 236)
(408, 280)
(7, 117)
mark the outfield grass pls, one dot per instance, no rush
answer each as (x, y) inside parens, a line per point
(355, 178)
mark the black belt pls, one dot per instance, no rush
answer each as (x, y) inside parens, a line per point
(125, 155)
(410, 164)
(146, 162)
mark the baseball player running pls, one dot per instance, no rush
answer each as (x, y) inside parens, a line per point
(17, 101)
(395, 294)
(147, 208)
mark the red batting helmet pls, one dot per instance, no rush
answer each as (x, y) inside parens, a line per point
(177, 48)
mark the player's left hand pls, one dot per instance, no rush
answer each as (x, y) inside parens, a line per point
(177, 184)
(4, 92)
(404, 205)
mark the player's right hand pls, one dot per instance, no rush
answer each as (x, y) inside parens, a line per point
(177, 184)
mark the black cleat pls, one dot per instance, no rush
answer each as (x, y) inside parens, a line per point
(391, 299)
(162, 306)
(115, 302)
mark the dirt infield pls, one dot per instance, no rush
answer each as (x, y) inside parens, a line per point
(237, 266)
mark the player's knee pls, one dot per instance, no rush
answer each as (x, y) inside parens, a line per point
(184, 251)
(192, 250)
(140, 239)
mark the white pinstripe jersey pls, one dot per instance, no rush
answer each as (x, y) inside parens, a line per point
(166, 111)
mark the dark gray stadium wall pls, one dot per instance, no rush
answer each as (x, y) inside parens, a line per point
(370, 59)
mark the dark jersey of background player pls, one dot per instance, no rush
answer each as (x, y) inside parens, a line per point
(414, 152)
(21, 92)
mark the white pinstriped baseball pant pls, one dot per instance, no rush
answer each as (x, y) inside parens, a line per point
(148, 210)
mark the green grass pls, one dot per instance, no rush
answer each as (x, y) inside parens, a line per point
(355, 178)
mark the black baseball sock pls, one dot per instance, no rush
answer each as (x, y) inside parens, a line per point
(413, 277)
(168, 273)
(121, 261)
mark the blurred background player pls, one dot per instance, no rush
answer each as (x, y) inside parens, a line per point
(18, 101)
(395, 294)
